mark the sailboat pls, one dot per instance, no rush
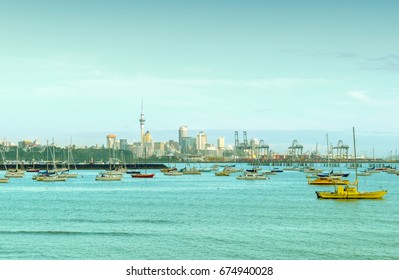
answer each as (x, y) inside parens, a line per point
(351, 191)
(51, 175)
(69, 158)
(144, 175)
(15, 173)
(248, 175)
(328, 178)
(111, 175)
(4, 179)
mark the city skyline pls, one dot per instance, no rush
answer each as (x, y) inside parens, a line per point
(281, 71)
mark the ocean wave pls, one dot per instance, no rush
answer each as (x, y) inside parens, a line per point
(74, 233)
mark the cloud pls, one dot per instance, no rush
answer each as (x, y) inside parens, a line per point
(360, 96)
(284, 82)
(383, 63)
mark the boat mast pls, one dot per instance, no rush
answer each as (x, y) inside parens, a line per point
(4, 162)
(69, 151)
(354, 148)
(47, 156)
(54, 165)
(328, 154)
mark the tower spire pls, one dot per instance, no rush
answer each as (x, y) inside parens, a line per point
(142, 121)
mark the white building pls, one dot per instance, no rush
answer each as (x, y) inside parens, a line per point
(201, 141)
(183, 133)
(220, 143)
(111, 141)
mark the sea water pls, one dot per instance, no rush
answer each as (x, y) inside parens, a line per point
(195, 217)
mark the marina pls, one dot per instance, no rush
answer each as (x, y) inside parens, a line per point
(196, 217)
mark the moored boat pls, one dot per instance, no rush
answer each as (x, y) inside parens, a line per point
(4, 180)
(143, 175)
(32, 170)
(215, 167)
(69, 175)
(252, 176)
(205, 169)
(327, 181)
(312, 170)
(350, 191)
(364, 173)
(51, 178)
(108, 176)
(168, 169)
(190, 171)
(222, 173)
(15, 173)
(269, 172)
(173, 173)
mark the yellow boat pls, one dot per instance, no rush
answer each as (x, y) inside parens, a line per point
(190, 171)
(351, 192)
(164, 170)
(4, 180)
(223, 173)
(327, 181)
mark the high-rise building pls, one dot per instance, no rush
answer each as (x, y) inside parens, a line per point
(111, 139)
(147, 137)
(201, 140)
(188, 145)
(183, 132)
(123, 145)
(220, 143)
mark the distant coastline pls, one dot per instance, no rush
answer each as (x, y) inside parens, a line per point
(160, 165)
(88, 166)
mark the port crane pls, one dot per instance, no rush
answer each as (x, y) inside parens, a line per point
(244, 149)
(341, 147)
(295, 150)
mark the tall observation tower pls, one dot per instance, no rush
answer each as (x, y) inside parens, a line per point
(142, 121)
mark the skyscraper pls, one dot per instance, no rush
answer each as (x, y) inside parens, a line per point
(147, 137)
(201, 140)
(183, 133)
(220, 143)
(111, 139)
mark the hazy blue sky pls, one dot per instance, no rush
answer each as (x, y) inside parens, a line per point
(81, 68)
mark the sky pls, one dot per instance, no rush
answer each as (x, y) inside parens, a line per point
(281, 70)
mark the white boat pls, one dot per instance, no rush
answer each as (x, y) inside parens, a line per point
(190, 171)
(15, 173)
(252, 176)
(232, 169)
(205, 169)
(66, 171)
(269, 172)
(50, 175)
(108, 176)
(51, 178)
(364, 173)
(173, 173)
(312, 170)
(69, 175)
(4, 180)
(113, 174)
(215, 167)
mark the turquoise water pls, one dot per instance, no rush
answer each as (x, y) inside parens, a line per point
(195, 217)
